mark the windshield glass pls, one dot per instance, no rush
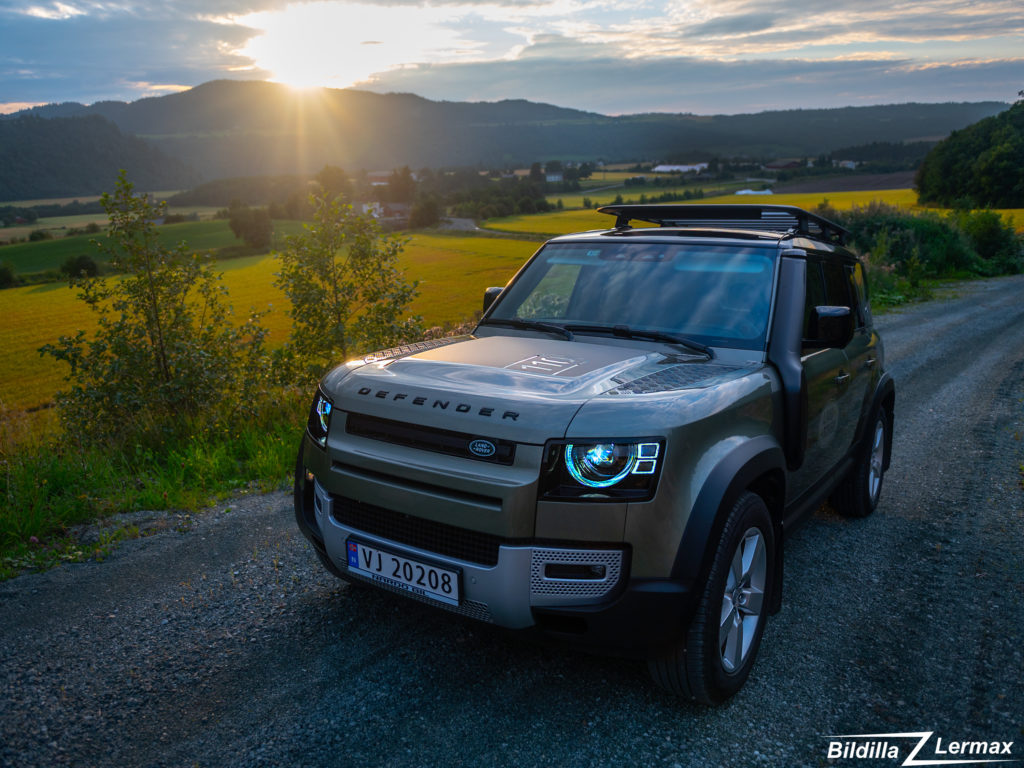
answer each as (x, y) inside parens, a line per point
(717, 295)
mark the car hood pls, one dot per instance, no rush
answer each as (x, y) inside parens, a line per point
(515, 387)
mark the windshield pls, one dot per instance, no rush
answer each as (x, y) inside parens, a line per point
(715, 294)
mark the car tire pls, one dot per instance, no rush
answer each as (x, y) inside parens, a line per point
(857, 495)
(715, 656)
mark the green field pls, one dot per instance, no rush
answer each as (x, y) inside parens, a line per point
(27, 258)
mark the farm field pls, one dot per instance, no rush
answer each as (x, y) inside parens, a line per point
(453, 272)
(606, 196)
(564, 222)
(201, 236)
(57, 225)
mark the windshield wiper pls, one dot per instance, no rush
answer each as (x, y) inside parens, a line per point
(625, 332)
(529, 325)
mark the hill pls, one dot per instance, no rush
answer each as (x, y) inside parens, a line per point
(245, 128)
(981, 165)
(67, 156)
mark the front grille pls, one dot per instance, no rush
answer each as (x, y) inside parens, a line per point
(462, 444)
(443, 539)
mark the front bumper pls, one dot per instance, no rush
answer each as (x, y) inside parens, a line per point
(609, 613)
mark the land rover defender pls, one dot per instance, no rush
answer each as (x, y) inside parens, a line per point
(615, 454)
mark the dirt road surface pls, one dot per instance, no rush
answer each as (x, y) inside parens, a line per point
(228, 645)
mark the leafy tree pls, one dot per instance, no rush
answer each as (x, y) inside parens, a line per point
(425, 212)
(348, 294)
(166, 348)
(979, 166)
(536, 173)
(253, 225)
(334, 182)
(7, 276)
(81, 265)
(401, 186)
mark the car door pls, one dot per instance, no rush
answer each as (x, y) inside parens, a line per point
(824, 368)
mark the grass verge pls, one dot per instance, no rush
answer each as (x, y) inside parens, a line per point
(50, 485)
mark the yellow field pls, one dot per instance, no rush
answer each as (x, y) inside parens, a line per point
(453, 273)
(452, 270)
(564, 222)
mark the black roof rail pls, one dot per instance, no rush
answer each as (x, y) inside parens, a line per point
(768, 218)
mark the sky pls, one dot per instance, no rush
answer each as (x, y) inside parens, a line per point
(607, 56)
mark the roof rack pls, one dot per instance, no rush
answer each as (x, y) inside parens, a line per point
(768, 218)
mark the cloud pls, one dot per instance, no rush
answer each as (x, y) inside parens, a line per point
(88, 59)
(616, 86)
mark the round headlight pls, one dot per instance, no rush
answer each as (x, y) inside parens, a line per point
(601, 465)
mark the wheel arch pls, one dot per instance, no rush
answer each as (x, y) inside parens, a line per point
(757, 465)
(884, 398)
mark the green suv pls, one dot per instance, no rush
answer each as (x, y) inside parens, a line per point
(615, 454)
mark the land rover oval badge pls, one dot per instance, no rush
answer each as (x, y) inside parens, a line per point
(482, 448)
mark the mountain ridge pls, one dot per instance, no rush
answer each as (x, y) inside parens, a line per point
(231, 128)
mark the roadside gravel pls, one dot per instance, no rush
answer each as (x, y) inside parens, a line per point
(225, 643)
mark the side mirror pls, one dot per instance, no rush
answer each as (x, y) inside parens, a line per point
(489, 296)
(832, 326)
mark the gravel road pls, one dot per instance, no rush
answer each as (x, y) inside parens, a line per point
(227, 644)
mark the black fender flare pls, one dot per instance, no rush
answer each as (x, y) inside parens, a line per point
(738, 471)
(884, 390)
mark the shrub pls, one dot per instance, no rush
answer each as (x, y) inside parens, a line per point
(81, 265)
(166, 350)
(347, 292)
(7, 276)
(253, 225)
(39, 234)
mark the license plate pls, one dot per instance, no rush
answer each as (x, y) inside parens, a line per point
(413, 576)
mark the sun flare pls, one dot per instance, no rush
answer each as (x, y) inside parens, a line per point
(338, 45)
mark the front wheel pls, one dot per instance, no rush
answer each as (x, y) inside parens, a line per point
(858, 494)
(715, 657)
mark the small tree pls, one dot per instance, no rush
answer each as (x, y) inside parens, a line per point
(165, 349)
(7, 276)
(81, 265)
(253, 225)
(347, 291)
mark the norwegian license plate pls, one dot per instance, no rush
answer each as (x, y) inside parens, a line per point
(441, 584)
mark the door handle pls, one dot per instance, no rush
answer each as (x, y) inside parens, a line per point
(842, 378)
(870, 362)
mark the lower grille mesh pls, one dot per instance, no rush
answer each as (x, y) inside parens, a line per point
(448, 540)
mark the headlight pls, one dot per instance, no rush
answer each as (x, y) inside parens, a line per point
(608, 470)
(319, 421)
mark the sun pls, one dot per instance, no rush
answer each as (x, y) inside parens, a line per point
(340, 44)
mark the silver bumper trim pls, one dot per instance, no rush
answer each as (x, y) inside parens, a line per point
(502, 594)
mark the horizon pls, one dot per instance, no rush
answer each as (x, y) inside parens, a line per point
(604, 56)
(301, 91)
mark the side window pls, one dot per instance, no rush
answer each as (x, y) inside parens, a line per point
(838, 290)
(815, 296)
(860, 290)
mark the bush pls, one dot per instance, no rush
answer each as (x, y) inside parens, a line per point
(7, 276)
(39, 234)
(166, 351)
(252, 225)
(79, 266)
(346, 290)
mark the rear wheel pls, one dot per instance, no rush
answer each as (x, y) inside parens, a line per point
(715, 657)
(858, 494)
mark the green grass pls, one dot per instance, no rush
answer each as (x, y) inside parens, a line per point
(51, 485)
